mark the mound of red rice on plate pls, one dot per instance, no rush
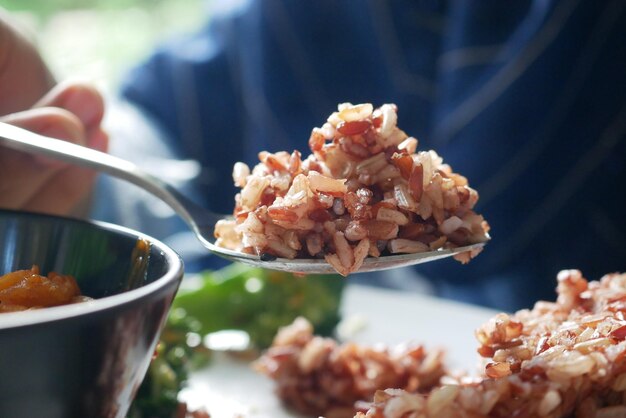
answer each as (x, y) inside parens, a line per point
(364, 191)
(318, 377)
(562, 359)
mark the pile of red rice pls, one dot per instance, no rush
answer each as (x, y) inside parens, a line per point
(562, 359)
(364, 191)
(318, 377)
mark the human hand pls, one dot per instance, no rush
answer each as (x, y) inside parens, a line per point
(69, 111)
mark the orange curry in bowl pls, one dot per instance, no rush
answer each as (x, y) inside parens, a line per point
(28, 289)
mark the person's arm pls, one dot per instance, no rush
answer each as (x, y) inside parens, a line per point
(68, 111)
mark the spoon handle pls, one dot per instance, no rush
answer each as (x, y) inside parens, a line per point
(26, 141)
(200, 220)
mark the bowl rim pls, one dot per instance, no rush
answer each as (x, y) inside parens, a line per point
(174, 274)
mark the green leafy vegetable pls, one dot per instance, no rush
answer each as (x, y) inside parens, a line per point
(260, 301)
(237, 297)
(178, 353)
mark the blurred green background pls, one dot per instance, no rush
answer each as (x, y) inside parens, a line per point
(99, 40)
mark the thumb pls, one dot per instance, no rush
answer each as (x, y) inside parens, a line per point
(53, 122)
(22, 175)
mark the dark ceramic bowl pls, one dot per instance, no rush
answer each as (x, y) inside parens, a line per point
(86, 359)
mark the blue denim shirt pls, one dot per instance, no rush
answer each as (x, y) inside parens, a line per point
(527, 99)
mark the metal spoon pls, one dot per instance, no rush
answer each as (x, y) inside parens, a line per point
(200, 220)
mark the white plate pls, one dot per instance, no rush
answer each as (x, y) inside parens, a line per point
(229, 387)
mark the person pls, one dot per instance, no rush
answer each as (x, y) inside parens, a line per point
(71, 111)
(527, 99)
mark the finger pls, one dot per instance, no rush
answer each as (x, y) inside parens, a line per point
(24, 78)
(53, 122)
(49, 121)
(62, 192)
(22, 174)
(82, 99)
(98, 140)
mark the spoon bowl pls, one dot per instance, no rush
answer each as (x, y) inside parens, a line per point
(200, 220)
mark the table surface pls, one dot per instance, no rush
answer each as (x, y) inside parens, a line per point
(229, 387)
